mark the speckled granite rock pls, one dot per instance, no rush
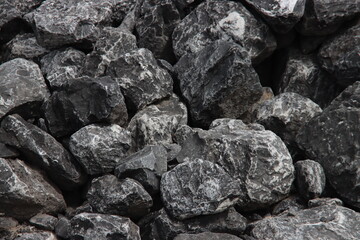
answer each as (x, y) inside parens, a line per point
(40, 235)
(207, 236)
(324, 201)
(44, 221)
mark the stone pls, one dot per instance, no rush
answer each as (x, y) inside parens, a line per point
(99, 148)
(148, 179)
(62, 227)
(280, 15)
(142, 81)
(43, 235)
(256, 157)
(324, 201)
(324, 222)
(291, 204)
(198, 187)
(8, 152)
(332, 140)
(66, 111)
(7, 223)
(61, 66)
(41, 149)
(207, 236)
(44, 221)
(24, 191)
(218, 81)
(228, 21)
(22, 88)
(309, 44)
(323, 17)
(103, 227)
(127, 197)
(340, 55)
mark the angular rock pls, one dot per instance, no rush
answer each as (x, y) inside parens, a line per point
(294, 203)
(228, 21)
(196, 188)
(43, 235)
(24, 191)
(66, 111)
(127, 197)
(22, 88)
(324, 201)
(44, 221)
(332, 139)
(218, 81)
(340, 55)
(141, 79)
(8, 152)
(62, 228)
(249, 153)
(207, 236)
(280, 15)
(148, 179)
(100, 148)
(157, 123)
(103, 227)
(61, 66)
(324, 222)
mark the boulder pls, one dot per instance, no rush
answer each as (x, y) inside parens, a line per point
(207, 236)
(44, 221)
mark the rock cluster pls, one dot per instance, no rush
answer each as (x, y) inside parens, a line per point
(179, 119)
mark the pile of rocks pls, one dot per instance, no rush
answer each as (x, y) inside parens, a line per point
(179, 119)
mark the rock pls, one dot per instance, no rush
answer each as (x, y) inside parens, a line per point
(22, 88)
(66, 111)
(43, 235)
(61, 66)
(8, 152)
(142, 81)
(324, 17)
(227, 21)
(62, 228)
(218, 81)
(294, 203)
(7, 223)
(309, 44)
(41, 149)
(324, 201)
(206, 236)
(147, 179)
(157, 123)
(198, 187)
(249, 153)
(103, 227)
(331, 139)
(100, 148)
(24, 191)
(340, 55)
(44, 221)
(127, 197)
(324, 222)
(280, 15)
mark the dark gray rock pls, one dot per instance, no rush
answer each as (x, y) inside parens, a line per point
(103, 227)
(100, 148)
(127, 197)
(267, 94)
(156, 124)
(142, 81)
(44, 221)
(8, 228)
(280, 15)
(198, 187)
(148, 179)
(7, 151)
(206, 236)
(332, 139)
(294, 203)
(223, 20)
(61, 66)
(24, 191)
(324, 201)
(43, 235)
(62, 227)
(218, 81)
(340, 55)
(66, 111)
(320, 223)
(22, 88)
(309, 44)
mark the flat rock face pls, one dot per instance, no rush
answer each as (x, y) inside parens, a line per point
(218, 81)
(24, 192)
(198, 187)
(103, 227)
(332, 140)
(141, 79)
(324, 222)
(41, 149)
(207, 236)
(227, 21)
(66, 111)
(99, 148)
(22, 88)
(340, 55)
(127, 197)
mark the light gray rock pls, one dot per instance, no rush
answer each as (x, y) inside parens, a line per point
(62, 228)
(228, 21)
(324, 201)
(44, 221)
(24, 191)
(206, 236)
(43, 235)
(103, 227)
(100, 148)
(22, 88)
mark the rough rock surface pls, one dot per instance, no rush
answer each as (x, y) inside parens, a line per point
(41, 149)
(22, 88)
(24, 191)
(324, 201)
(218, 81)
(228, 21)
(207, 236)
(103, 227)
(100, 148)
(291, 204)
(43, 235)
(66, 111)
(44, 221)
(122, 197)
